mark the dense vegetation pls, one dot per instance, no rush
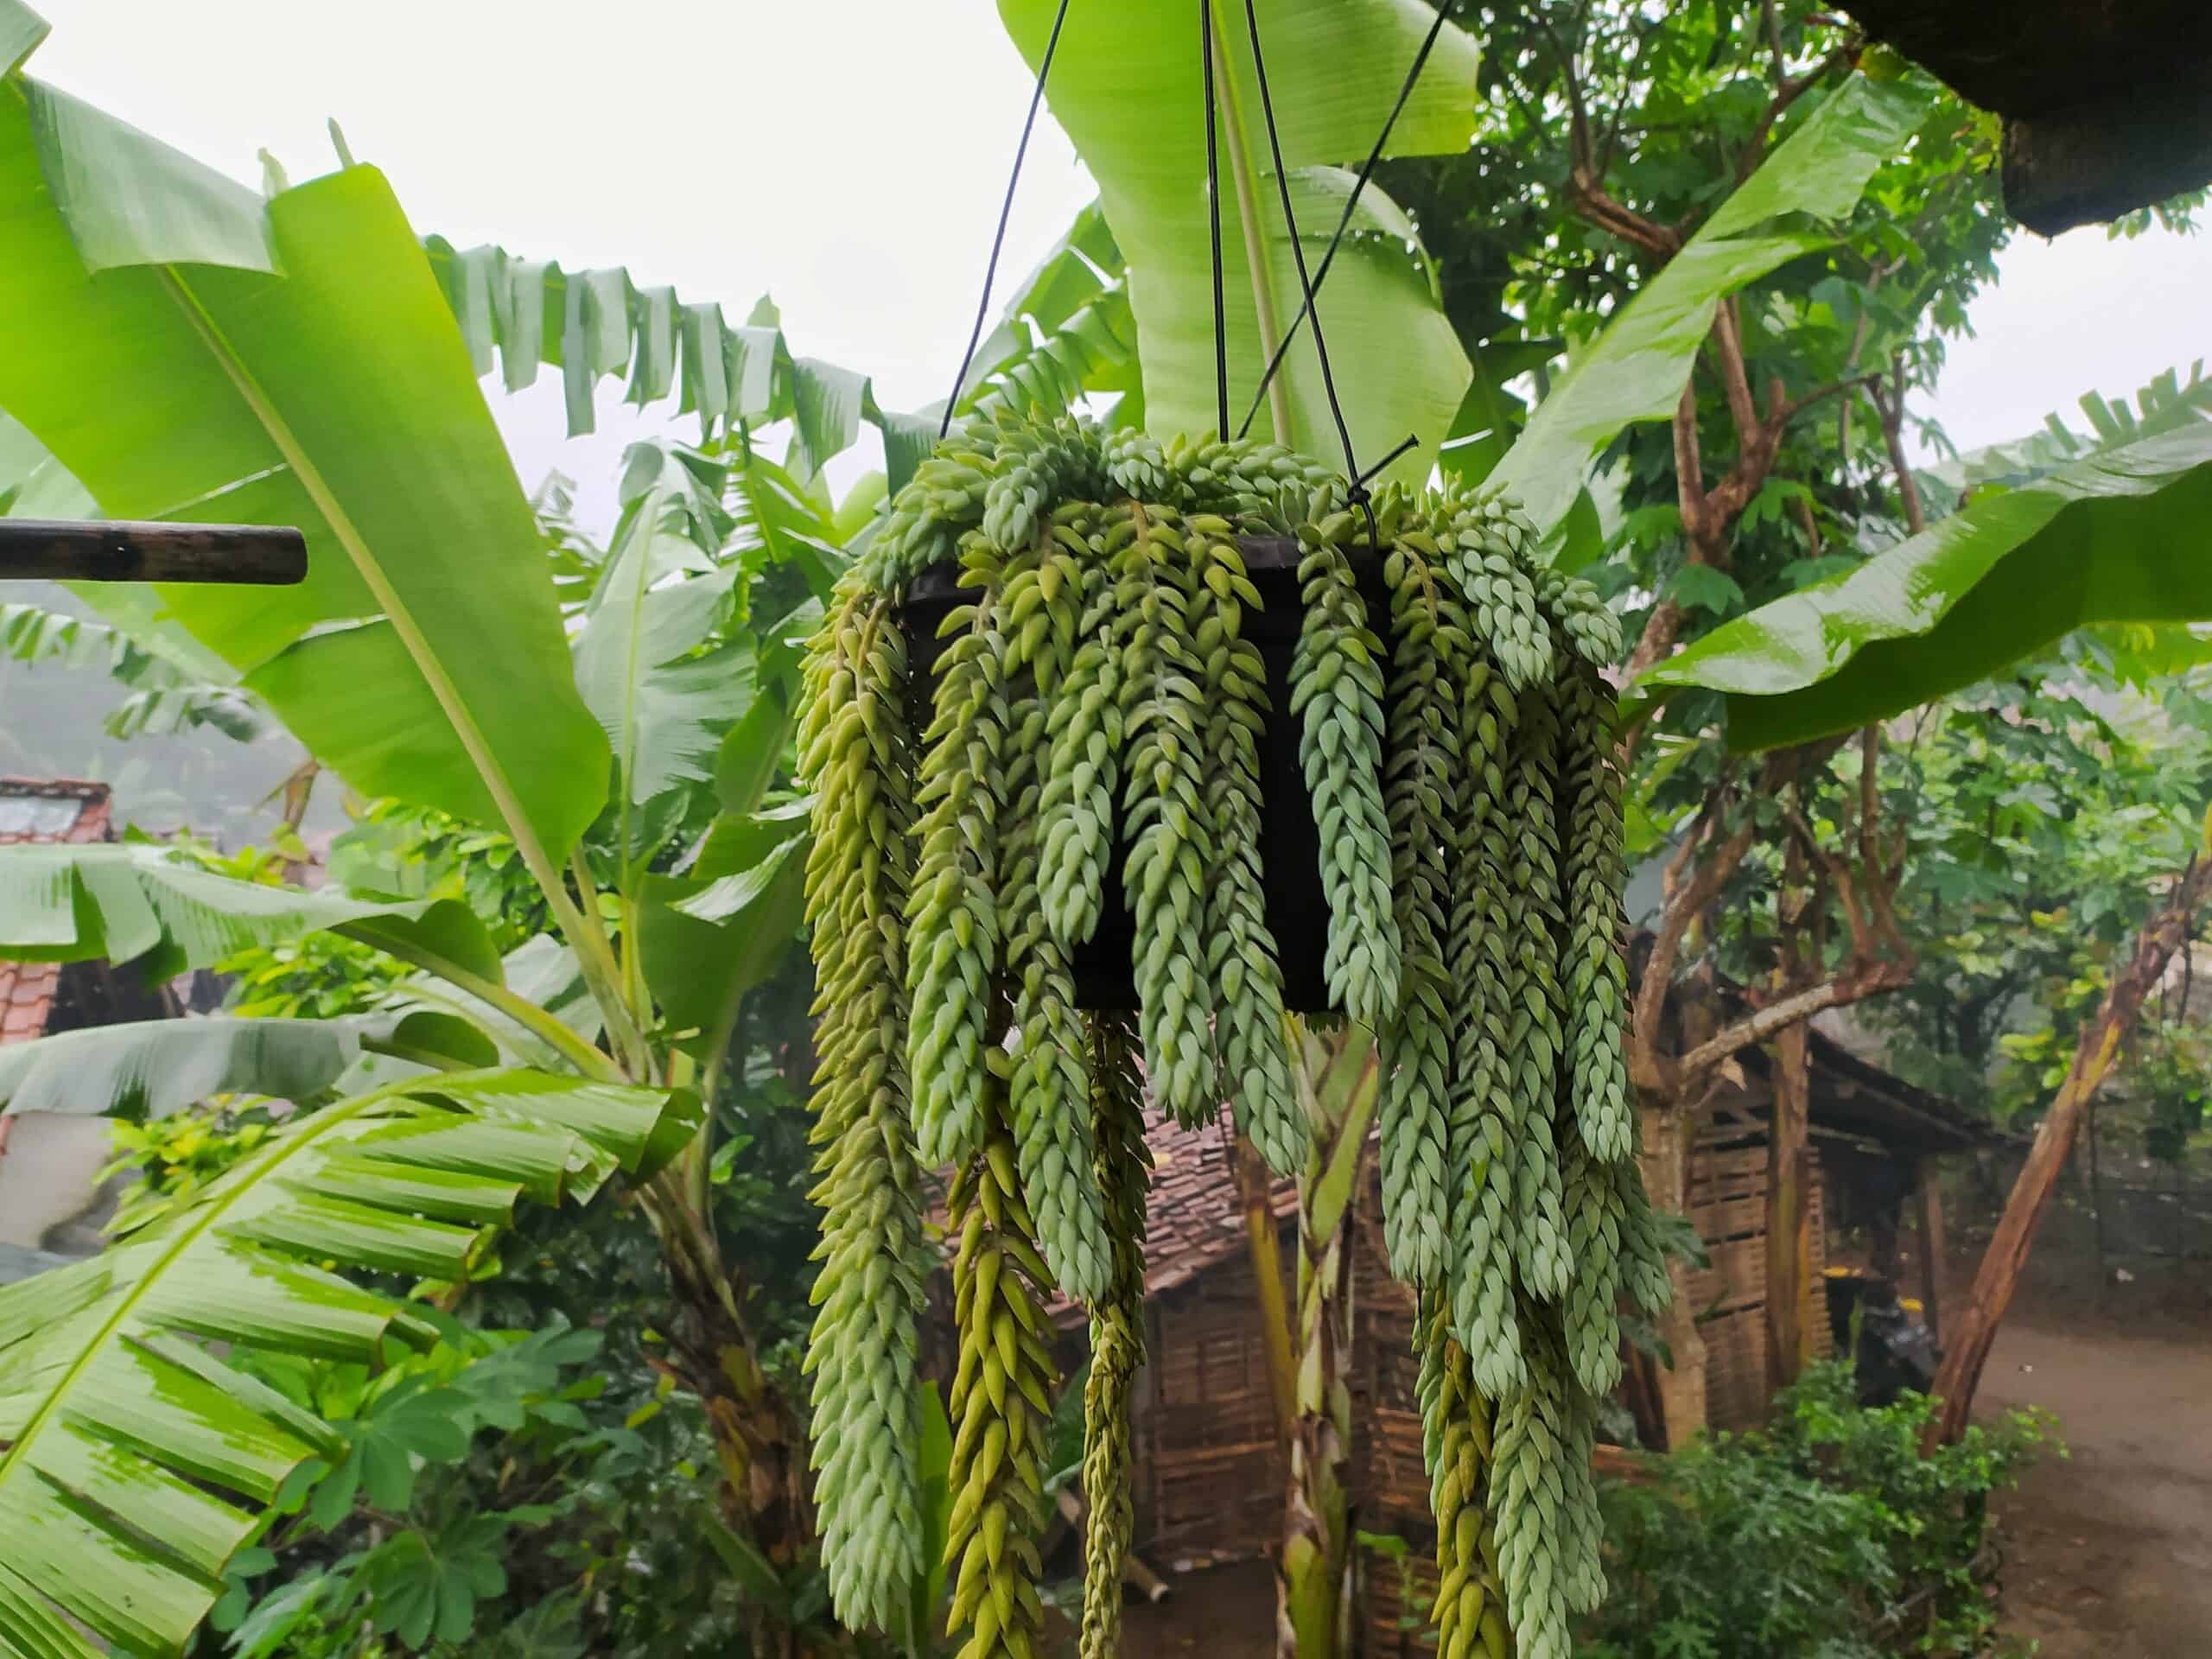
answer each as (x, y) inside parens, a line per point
(1672, 283)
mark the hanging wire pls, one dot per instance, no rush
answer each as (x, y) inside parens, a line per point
(1006, 213)
(1358, 491)
(1213, 210)
(1351, 202)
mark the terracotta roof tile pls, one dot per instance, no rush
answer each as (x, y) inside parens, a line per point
(26, 987)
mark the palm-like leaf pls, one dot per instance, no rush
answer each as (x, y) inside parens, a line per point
(159, 1066)
(1637, 370)
(2163, 405)
(194, 352)
(1126, 85)
(2118, 536)
(591, 325)
(145, 906)
(660, 599)
(1067, 331)
(136, 1461)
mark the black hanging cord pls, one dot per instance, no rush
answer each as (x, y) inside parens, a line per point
(1351, 202)
(1213, 209)
(1006, 213)
(1412, 442)
(1358, 491)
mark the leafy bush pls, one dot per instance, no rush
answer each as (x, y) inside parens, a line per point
(1825, 1535)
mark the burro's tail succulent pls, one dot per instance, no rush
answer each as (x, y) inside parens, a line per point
(1096, 720)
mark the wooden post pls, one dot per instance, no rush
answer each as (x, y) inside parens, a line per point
(1789, 1212)
(2096, 1200)
(1669, 1133)
(1930, 1197)
(60, 549)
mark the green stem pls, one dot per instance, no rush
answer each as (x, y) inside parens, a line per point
(525, 1013)
(604, 973)
(1255, 256)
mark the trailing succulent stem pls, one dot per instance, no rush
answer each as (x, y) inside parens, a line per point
(1100, 696)
(1241, 960)
(854, 749)
(1002, 1399)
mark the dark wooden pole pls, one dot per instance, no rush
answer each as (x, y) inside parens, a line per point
(93, 551)
(1931, 1244)
(1789, 1211)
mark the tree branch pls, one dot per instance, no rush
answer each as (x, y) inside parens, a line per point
(1648, 1067)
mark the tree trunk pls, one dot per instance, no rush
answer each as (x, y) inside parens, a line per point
(1314, 1604)
(757, 1437)
(1789, 1212)
(1667, 1131)
(1960, 1373)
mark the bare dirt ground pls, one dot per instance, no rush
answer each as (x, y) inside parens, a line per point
(2108, 1552)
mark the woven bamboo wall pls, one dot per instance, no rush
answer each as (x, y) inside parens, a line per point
(1210, 1486)
(1727, 1201)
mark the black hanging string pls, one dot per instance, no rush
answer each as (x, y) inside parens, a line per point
(1358, 491)
(1351, 202)
(1006, 213)
(1412, 442)
(1213, 209)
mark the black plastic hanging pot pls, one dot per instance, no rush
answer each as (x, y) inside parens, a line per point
(1290, 844)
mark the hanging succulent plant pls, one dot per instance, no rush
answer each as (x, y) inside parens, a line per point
(1123, 747)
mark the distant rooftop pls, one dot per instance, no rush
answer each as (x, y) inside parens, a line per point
(73, 810)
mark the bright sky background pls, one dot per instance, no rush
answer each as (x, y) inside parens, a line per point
(847, 157)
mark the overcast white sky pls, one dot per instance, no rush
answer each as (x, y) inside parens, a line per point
(847, 158)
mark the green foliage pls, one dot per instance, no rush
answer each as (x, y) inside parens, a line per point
(1495, 673)
(1127, 86)
(1826, 1535)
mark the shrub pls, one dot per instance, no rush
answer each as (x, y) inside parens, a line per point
(1825, 1535)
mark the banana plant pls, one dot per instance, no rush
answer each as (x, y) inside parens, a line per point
(137, 1460)
(1340, 1082)
(202, 352)
(1128, 85)
(2044, 546)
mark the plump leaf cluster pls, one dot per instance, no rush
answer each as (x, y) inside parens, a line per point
(1099, 696)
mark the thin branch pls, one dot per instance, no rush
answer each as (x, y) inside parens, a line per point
(1846, 987)
(1647, 1067)
(1790, 91)
(1790, 410)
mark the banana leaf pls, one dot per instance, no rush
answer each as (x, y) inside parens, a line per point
(2118, 536)
(143, 905)
(1127, 84)
(1640, 364)
(138, 1462)
(159, 1066)
(190, 352)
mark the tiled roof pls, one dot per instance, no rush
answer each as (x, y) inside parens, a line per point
(42, 810)
(1193, 1219)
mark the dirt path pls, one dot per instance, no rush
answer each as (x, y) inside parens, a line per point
(2109, 1552)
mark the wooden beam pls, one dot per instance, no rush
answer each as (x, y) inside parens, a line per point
(1930, 1207)
(1789, 1212)
(93, 551)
